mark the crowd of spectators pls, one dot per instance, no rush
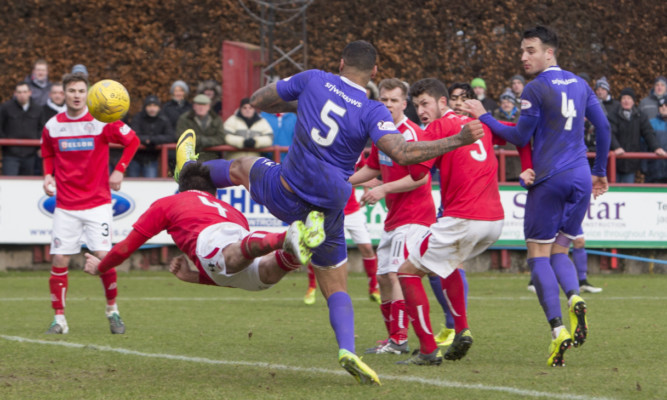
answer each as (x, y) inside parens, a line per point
(637, 126)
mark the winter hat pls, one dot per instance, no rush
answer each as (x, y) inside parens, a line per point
(602, 82)
(508, 95)
(628, 92)
(518, 78)
(80, 68)
(201, 99)
(662, 102)
(585, 76)
(478, 82)
(660, 78)
(182, 85)
(152, 99)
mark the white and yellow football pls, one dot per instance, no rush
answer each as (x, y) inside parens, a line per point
(108, 101)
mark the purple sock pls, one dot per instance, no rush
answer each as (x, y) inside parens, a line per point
(220, 172)
(546, 286)
(465, 284)
(581, 262)
(341, 317)
(437, 291)
(565, 272)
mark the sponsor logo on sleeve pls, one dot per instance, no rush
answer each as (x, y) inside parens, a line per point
(124, 129)
(525, 104)
(386, 126)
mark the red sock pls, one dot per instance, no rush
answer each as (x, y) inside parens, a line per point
(312, 283)
(110, 286)
(261, 243)
(399, 321)
(286, 261)
(452, 289)
(371, 267)
(385, 309)
(417, 306)
(58, 286)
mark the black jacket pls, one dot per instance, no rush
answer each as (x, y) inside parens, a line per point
(151, 132)
(626, 134)
(172, 110)
(15, 123)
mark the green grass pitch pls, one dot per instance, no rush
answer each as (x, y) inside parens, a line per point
(188, 341)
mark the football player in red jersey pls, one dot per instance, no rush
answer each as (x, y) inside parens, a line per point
(75, 151)
(215, 237)
(411, 212)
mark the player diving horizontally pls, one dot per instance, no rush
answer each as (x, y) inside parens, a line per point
(215, 236)
(335, 119)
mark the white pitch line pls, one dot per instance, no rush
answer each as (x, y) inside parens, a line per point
(291, 299)
(202, 360)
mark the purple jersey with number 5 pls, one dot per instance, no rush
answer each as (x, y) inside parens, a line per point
(334, 121)
(559, 99)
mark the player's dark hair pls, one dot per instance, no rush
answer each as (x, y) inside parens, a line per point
(467, 89)
(546, 35)
(393, 83)
(360, 54)
(431, 87)
(196, 176)
(75, 77)
(23, 83)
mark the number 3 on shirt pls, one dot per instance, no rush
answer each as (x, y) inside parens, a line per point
(478, 155)
(329, 137)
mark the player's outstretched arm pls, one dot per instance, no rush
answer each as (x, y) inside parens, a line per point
(365, 174)
(267, 99)
(405, 153)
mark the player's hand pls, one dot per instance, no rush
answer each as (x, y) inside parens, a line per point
(471, 132)
(600, 186)
(375, 182)
(373, 196)
(528, 177)
(91, 265)
(49, 185)
(474, 108)
(661, 152)
(620, 151)
(115, 180)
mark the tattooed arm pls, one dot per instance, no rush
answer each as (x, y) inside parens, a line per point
(267, 99)
(405, 153)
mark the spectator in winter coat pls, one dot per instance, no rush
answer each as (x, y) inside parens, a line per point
(38, 82)
(20, 118)
(479, 87)
(649, 104)
(206, 124)
(178, 104)
(246, 129)
(55, 103)
(153, 129)
(628, 126)
(213, 90)
(656, 170)
(603, 93)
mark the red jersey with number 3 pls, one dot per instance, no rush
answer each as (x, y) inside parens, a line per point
(80, 148)
(184, 216)
(469, 174)
(415, 206)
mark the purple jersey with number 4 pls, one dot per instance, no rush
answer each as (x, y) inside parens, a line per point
(334, 121)
(554, 97)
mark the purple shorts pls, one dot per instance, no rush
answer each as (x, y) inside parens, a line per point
(558, 204)
(266, 189)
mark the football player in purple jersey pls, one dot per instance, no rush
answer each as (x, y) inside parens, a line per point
(553, 108)
(335, 119)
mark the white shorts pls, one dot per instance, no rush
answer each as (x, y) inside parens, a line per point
(71, 228)
(452, 241)
(394, 245)
(210, 243)
(355, 227)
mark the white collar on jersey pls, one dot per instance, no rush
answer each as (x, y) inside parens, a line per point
(349, 82)
(78, 117)
(554, 68)
(402, 121)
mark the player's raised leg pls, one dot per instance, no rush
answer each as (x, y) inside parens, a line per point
(185, 151)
